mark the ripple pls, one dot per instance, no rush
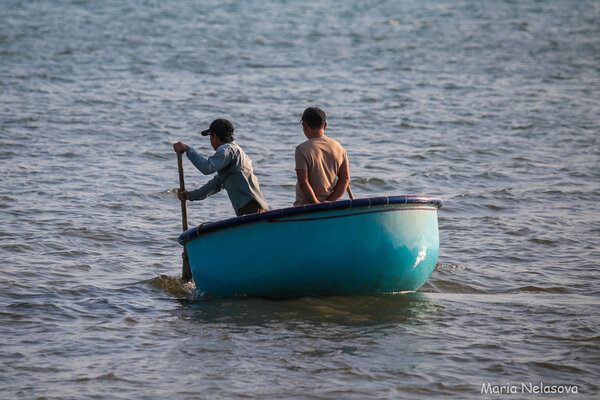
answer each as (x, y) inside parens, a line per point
(535, 289)
(173, 286)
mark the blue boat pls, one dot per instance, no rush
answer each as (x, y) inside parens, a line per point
(361, 246)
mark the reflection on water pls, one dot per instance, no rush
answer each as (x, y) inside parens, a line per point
(366, 310)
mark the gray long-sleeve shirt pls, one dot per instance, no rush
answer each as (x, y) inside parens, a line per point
(234, 174)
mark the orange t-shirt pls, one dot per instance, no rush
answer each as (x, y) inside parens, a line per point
(322, 157)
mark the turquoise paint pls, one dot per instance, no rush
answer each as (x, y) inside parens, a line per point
(359, 249)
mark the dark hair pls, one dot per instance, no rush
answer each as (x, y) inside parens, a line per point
(314, 117)
(225, 137)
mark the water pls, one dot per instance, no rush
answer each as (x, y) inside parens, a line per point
(491, 105)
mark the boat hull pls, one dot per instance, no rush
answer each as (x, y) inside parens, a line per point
(346, 250)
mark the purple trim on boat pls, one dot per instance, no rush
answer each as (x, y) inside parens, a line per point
(274, 215)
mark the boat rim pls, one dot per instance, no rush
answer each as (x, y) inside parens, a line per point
(211, 227)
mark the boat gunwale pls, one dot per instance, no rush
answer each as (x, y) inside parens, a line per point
(276, 214)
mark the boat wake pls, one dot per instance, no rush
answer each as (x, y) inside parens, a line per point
(174, 286)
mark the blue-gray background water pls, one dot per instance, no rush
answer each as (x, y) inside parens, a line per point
(493, 106)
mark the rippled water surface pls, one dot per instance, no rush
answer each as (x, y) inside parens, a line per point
(491, 105)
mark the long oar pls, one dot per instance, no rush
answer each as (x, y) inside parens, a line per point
(350, 192)
(186, 271)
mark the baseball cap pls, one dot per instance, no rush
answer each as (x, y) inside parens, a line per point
(220, 127)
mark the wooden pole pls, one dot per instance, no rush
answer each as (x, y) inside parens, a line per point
(350, 192)
(186, 271)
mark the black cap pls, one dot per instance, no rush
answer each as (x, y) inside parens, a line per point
(220, 127)
(314, 117)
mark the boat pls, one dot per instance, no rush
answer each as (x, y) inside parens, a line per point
(362, 246)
